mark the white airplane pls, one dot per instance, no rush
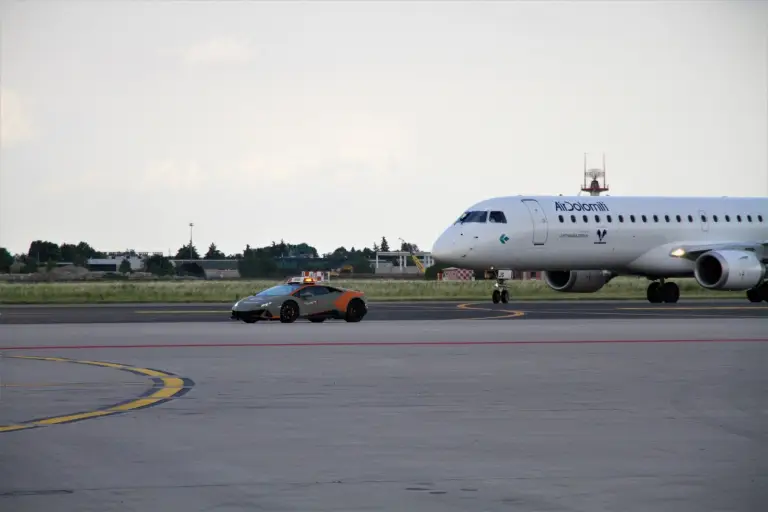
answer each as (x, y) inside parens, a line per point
(582, 242)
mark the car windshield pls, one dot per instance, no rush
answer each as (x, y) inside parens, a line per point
(281, 289)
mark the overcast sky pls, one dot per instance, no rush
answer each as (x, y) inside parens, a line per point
(336, 123)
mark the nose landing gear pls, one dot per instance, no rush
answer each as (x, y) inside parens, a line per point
(500, 293)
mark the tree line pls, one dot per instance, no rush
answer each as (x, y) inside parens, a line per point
(251, 262)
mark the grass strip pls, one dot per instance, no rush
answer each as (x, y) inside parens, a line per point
(622, 288)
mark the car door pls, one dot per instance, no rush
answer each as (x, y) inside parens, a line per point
(312, 299)
(331, 299)
(324, 297)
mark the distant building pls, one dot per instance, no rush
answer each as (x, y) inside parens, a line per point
(404, 264)
(212, 265)
(112, 260)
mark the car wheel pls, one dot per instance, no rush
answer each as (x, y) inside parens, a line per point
(355, 311)
(289, 312)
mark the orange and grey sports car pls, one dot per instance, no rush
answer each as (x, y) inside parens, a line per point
(301, 298)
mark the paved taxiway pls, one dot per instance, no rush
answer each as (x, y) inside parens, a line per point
(121, 313)
(538, 413)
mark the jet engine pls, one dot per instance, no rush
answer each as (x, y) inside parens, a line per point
(576, 281)
(729, 270)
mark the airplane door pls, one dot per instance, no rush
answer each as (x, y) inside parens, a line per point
(540, 229)
(704, 221)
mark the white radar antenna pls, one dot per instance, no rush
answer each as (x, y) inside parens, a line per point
(595, 175)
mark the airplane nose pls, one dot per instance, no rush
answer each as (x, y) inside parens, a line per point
(444, 249)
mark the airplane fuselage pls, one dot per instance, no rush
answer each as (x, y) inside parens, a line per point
(623, 235)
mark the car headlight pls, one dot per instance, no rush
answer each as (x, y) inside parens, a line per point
(265, 304)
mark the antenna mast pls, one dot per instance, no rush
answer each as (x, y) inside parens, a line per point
(595, 188)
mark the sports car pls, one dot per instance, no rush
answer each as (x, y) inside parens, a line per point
(301, 298)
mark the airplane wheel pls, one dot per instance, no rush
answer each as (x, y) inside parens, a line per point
(758, 294)
(670, 292)
(764, 291)
(289, 312)
(505, 296)
(496, 296)
(755, 295)
(653, 293)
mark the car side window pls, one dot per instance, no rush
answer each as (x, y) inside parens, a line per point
(303, 292)
(312, 291)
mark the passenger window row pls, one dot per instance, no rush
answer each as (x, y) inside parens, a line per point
(667, 218)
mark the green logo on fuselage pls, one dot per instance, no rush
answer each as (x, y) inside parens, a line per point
(503, 239)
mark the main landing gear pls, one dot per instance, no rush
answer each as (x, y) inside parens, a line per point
(759, 293)
(661, 291)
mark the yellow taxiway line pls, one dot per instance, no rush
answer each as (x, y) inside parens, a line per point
(166, 386)
(505, 313)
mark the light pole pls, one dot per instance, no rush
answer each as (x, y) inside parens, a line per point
(191, 225)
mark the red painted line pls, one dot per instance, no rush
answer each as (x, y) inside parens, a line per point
(384, 343)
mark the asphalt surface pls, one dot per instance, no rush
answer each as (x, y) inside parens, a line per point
(121, 313)
(589, 412)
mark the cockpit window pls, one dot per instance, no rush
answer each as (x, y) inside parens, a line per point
(497, 217)
(473, 217)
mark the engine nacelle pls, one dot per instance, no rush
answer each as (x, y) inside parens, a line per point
(576, 281)
(729, 270)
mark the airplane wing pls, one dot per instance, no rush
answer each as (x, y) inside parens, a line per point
(693, 250)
